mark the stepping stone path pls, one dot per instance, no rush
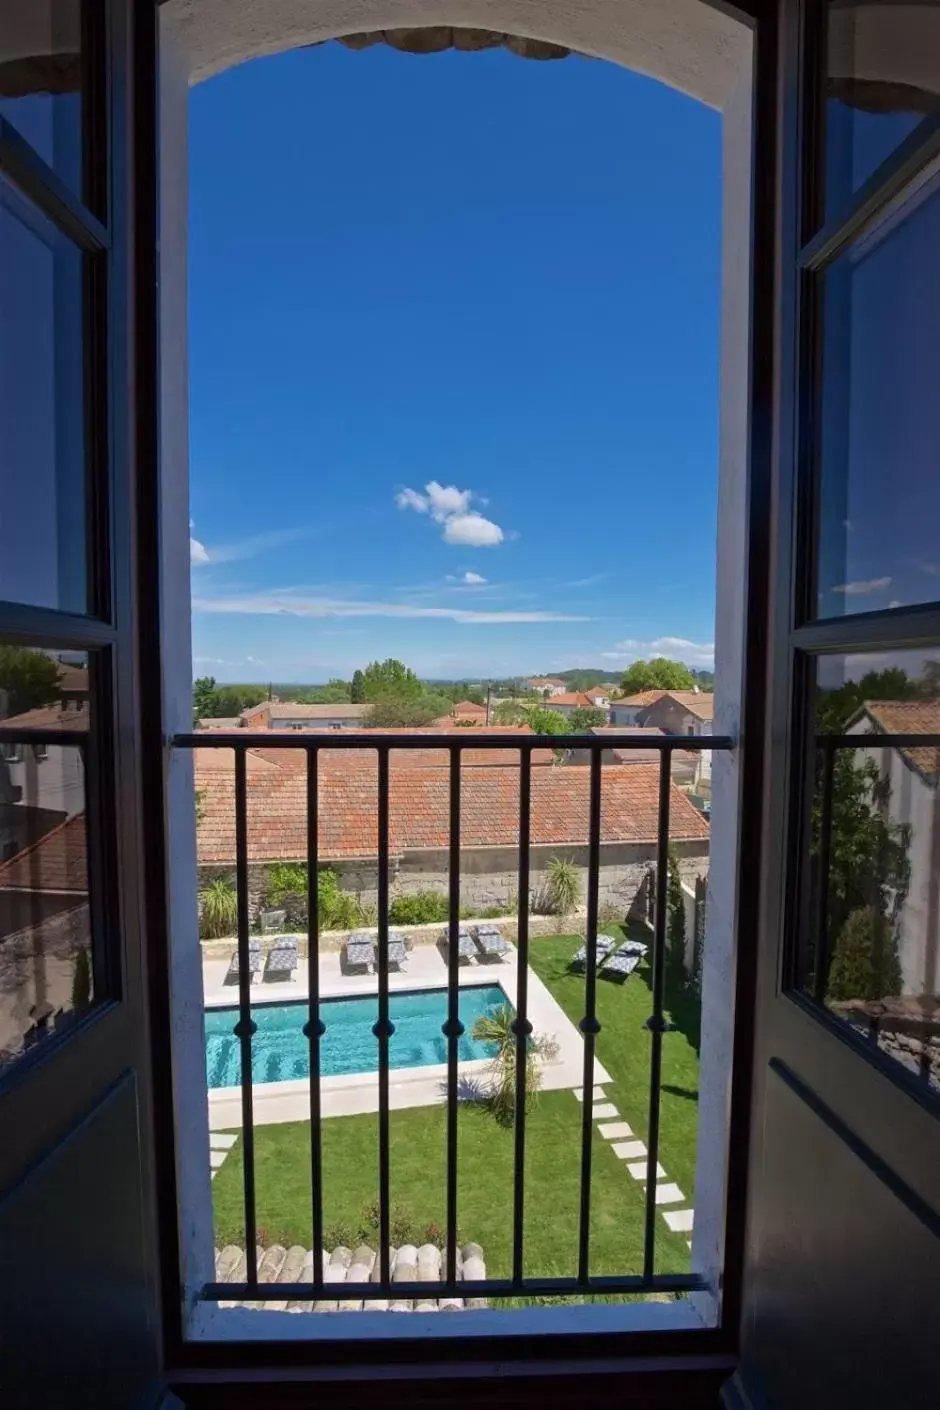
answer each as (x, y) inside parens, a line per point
(627, 1148)
(220, 1143)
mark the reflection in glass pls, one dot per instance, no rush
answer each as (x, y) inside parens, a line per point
(41, 80)
(46, 963)
(879, 494)
(42, 420)
(872, 952)
(883, 77)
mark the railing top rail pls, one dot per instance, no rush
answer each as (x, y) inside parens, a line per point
(343, 739)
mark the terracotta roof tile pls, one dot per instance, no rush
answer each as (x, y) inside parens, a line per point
(57, 862)
(909, 717)
(418, 811)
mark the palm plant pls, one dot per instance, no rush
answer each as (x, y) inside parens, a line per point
(496, 1028)
(218, 909)
(563, 886)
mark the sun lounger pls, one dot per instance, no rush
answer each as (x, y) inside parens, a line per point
(634, 947)
(605, 943)
(282, 958)
(254, 961)
(397, 949)
(620, 965)
(360, 950)
(466, 949)
(490, 941)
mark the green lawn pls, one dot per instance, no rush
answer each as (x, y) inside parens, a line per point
(553, 1136)
(623, 1046)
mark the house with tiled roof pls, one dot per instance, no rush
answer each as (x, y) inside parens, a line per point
(629, 709)
(291, 714)
(546, 685)
(419, 804)
(571, 700)
(48, 871)
(911, 799)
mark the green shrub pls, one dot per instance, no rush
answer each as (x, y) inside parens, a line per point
(563, 886)
(675, 920)
(218, 910)
(287, 890)
(865, 960)
(419, 908)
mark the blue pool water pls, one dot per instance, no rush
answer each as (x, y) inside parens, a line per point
(280, 1051)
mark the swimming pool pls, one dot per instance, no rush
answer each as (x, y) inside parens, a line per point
(280, 1052)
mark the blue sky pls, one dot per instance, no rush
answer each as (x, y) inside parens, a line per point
(454, 365)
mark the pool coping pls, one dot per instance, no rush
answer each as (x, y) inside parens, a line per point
(357, 1093)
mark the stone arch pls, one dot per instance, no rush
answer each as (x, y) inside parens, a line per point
(688, 44)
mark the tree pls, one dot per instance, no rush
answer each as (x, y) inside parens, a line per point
(865, 961)
(496, 1027)
(204, 694)
(657, 674)
(542, 721)
(357, 691)
(584, 718)
(390, 677)
(834, 708)
(29, 679)
(868, 854)
(675, 920)
(508, 712)
(407, 712)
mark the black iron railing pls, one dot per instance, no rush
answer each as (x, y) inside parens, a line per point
(517, 1285)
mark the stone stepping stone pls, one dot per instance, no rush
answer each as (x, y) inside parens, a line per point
(669, 1194)
(221, 1140)
(638, 1169)
(216, 1158)
(680, 1221)
(616, 1131)
(628, 1150)
(599, 1094)
(606, 1112)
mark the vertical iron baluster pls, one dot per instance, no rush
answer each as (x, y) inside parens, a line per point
(589, 1025)
(453, 1028)
(655, 1023)
(314, 1027)
(383, 1029)
(822, 873)
(245, 1027)
(521, 1026)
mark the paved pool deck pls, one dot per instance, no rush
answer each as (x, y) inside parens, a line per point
(425, 968)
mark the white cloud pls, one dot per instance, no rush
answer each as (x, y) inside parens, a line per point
(895, 603)
(410, 499)
(445, 500)
(472, 531)
(244, 548)
(450, 506)
(208, 661)
(863, 588)
(291, 602)
(676, 648)
(472, 579)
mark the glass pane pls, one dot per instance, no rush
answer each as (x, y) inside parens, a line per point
(41, 80)
(880, 418)
(883, 76)
(872, 926)
(46, 964)
(42, 416)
